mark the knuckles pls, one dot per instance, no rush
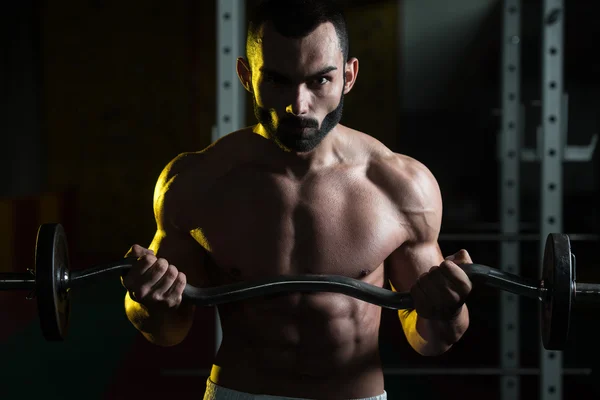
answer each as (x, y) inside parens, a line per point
(447, 265)
(146, 260)
(181, 280)
(156, 297)
(448, 275)
(145, 289)
(171, 272)
(173, 301)
(138, 251)
(161, 266)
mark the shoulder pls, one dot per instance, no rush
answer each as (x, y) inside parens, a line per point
(170, 189)
(412, 188)
(175, 170)
(203, 166)
(185, 177)
(403, 178)
(392, 171)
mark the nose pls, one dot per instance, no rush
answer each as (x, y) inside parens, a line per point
(300, 102)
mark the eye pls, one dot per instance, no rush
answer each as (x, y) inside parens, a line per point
(321, 81)
(273, 79)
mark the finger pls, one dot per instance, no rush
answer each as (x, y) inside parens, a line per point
(449, 297)
(453, 292)
(460, 257)
(152, 276)
(160, 288)
(445, 286)
(175, 292)
(178, 285)
(134, 277)
(138, 251)
(442, 290)
(424, 274)
(441, 294)
(419, 297)
(456, 278)
(427, 297)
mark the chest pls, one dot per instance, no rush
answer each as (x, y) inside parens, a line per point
(257, 224)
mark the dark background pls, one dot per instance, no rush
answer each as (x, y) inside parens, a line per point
(97, 96)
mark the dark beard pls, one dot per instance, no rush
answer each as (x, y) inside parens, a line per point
(284, 136)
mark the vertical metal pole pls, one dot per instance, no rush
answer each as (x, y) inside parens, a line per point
(551, 157)
(231, 35)
(231, 105)
(510, 159)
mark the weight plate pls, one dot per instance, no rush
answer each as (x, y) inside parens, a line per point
(51, 271)
(558, 276)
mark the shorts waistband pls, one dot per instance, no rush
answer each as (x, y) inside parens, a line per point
(216, 392)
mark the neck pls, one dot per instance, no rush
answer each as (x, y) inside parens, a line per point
(299, 163)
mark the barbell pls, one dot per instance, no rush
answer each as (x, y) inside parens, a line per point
(52, 280)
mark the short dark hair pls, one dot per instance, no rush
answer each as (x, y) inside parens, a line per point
(296, 19)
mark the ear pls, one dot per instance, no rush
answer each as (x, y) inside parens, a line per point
(244, 73)
(351, 74)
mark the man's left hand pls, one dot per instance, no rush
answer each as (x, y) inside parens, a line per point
(441, 292)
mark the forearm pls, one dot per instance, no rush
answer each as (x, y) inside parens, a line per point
(434, 337)
(163, 329)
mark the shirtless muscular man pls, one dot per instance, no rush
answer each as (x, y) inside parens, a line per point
(298, 193)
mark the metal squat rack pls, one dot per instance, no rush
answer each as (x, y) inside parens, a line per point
(551, 152)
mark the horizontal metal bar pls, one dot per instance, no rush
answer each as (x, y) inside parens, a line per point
(479, 371)
(507, 237)
(17, 281)
(496, 226)
(185, 372)
(420, 371)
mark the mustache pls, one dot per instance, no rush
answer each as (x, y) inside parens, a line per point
(299, 123)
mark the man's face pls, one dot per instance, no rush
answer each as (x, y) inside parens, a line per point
(298, 86)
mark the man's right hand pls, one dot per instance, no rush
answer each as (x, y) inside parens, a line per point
(153, 282)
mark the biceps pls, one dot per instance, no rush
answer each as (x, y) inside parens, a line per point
(410, 261)
(184, 253)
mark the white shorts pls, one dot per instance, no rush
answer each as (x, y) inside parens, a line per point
(216, 392)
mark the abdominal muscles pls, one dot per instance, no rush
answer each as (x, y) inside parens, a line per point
(301, 334)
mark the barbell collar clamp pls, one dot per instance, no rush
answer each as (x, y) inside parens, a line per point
(587, 293)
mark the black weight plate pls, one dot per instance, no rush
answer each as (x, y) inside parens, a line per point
(51, 267)
(558, 278)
